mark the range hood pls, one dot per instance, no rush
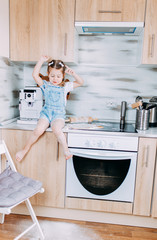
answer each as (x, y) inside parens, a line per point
(110, 28)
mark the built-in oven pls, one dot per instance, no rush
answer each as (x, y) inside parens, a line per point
(102, 167)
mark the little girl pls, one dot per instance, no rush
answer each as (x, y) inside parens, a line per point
(53, 113)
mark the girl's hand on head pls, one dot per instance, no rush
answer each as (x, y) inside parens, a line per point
(69, 70)
(44, 58)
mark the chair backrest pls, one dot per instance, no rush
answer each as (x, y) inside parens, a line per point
(4, 150)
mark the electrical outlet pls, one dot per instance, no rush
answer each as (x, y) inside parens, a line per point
(111, 104)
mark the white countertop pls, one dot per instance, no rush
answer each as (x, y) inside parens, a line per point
(151, 132)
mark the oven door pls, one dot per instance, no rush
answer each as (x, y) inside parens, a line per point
(101, 174)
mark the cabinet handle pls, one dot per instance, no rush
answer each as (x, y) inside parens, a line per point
(152, 45)
(146, 156)
(65, 44)
(57, 152)
(103, 11)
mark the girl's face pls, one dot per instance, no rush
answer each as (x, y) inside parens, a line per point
(55, 76)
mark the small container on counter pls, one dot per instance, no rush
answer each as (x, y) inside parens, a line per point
(142, 119)
(153, 112)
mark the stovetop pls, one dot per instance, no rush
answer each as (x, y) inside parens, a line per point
(115, 127)
(103, 126)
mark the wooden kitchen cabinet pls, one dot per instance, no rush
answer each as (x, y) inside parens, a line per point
(145, 176)
(44, 162)
(149, 55)
(42, 27)
(110, 10)
(154, 202)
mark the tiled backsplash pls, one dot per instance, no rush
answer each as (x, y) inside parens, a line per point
(11, 80)
(106, 85)
(107, 66)
(105, 88)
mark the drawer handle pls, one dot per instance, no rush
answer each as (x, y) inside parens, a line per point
(65, 44)
(102, 11)
(152, 45)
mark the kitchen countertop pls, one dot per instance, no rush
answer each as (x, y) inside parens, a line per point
(151, 132)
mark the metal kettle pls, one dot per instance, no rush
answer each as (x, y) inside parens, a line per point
(153, 113)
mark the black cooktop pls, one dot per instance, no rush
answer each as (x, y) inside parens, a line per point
(103, 126)
(115, 127)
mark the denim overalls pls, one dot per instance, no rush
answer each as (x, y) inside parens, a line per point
(54, 102)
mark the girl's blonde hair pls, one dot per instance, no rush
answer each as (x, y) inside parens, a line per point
(58, 64)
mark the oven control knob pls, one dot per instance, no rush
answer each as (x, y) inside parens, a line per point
(87, 143)
(94, 143)
(104, 144)
(112, 145)
(99, 144)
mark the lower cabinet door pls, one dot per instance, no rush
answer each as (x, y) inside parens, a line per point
(144, 176)
(154, 201)
(44, 162)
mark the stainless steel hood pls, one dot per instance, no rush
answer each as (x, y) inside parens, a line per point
(109, 28)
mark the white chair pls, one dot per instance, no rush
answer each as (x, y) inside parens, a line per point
(15, 189)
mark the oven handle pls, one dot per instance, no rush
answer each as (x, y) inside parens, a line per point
(113, 157)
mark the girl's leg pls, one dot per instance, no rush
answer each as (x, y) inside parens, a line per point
(57, 126)
(38, 131)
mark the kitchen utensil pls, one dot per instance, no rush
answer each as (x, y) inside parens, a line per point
(139, 99)
(153, 99)
(153, 117)
(136, 104)
(122, 115)
(142, 119)
(84, 126)
(144, 104)
(150, 106)
(153, 113)
(80, 119)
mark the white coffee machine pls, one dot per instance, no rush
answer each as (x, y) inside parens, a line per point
(30, 104)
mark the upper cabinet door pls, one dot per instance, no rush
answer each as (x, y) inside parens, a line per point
(110, 10)
(150, 34)
(41, 27)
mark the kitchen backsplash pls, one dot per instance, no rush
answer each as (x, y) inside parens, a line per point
(108, 67)
(11, 80)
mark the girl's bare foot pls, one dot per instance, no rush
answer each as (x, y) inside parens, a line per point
(20, 155)
(68, 155)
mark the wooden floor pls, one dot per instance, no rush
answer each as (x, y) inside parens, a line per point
(57, 229)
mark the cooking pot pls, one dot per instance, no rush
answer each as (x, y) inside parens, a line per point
(153, 113)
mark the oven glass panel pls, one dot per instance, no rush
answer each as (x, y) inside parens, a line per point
(100, 177)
